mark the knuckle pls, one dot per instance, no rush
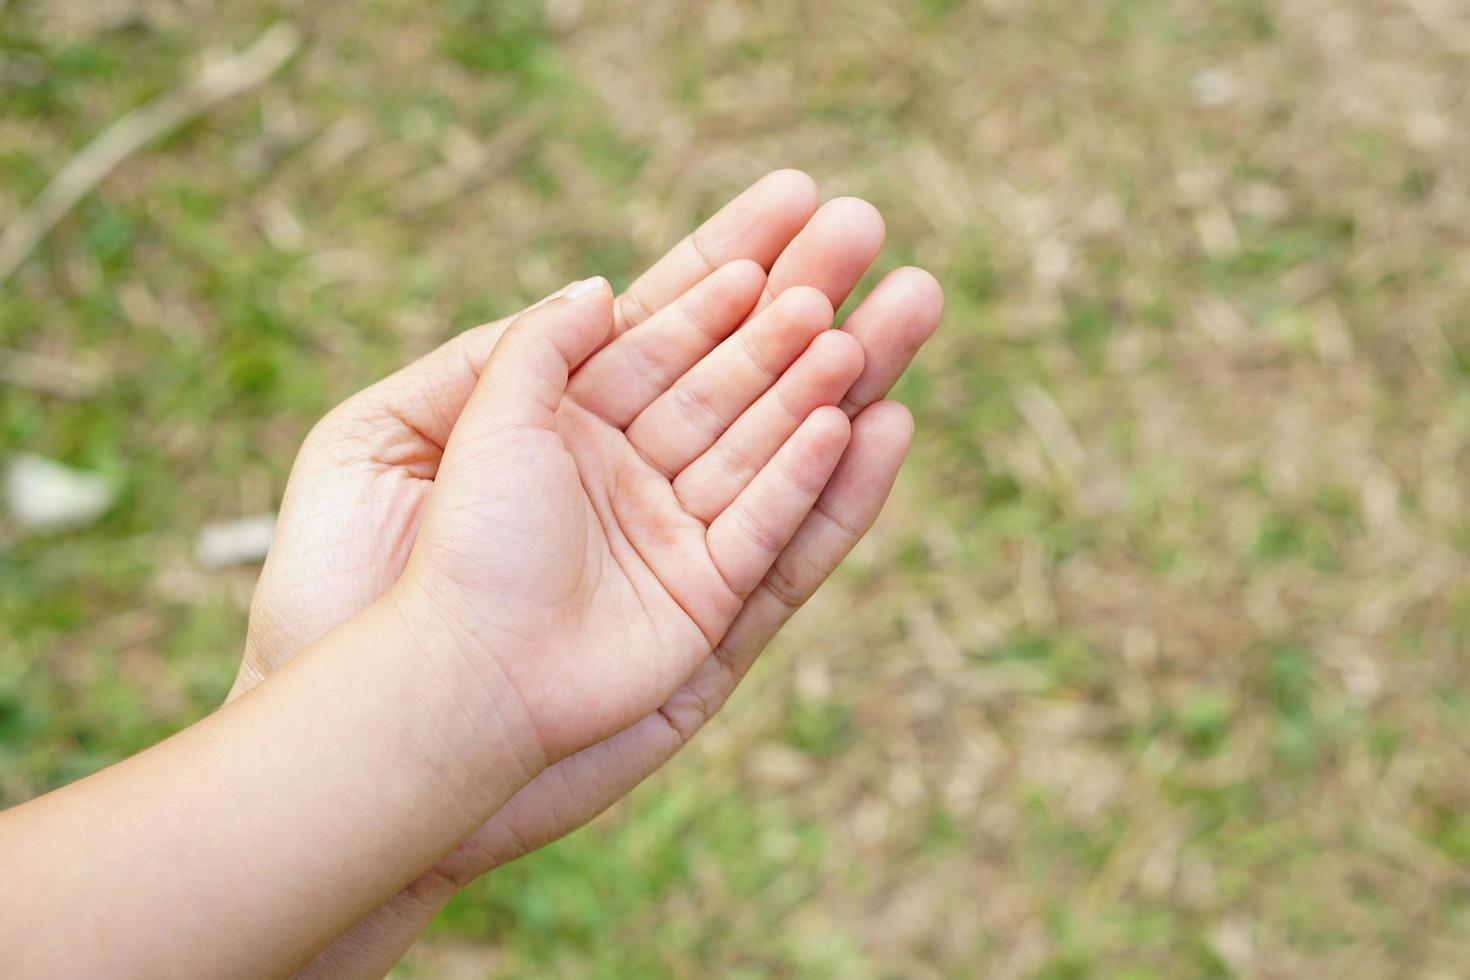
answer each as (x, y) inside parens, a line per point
(784, 588)
(757, 533)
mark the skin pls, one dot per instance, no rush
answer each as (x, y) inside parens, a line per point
(616, 593)
(357, 493)
(249, 841)
(244, 844)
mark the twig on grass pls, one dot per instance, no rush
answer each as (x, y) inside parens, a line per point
(216, 82)
(68, 378)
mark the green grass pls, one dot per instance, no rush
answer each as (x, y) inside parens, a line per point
(1194, 704)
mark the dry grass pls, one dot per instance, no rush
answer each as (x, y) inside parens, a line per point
(1156, 664)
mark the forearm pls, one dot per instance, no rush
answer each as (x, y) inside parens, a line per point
(248, 842)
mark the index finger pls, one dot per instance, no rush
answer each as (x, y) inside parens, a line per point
(756, 225)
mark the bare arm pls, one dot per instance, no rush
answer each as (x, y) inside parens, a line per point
(249, 841)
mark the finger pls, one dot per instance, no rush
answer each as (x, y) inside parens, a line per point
(603, 773)
(820, 376)
(687, 419)
(624, 377)
(427, 395)
(756, 225)
(847, 508)
(831, 253)
(892, 323)
(526, 377)
(746, 538)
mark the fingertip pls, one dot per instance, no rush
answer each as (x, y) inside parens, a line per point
(889, 422)
(748, 273)
(916, 275)
(587, 287)
(922, 293)
(829, 428)
(594, 298)
(591, 293)
(806, 305)
(892, 323)
(841, 352)
(577, 318)
(855, 220)
(795, 188)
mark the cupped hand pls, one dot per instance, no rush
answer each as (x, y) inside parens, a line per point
(587, 545)
(359, 483)
(357, 489)
(357, 492)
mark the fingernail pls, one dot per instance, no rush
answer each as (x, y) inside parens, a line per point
(583, 287)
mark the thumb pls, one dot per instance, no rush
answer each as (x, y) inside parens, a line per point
(526, 377)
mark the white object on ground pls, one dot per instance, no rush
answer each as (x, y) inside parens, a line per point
(241, 541)
(1214, 88)
(43, 495)
(219, 80)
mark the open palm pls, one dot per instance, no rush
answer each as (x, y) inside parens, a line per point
(358, 491)
(594, 542)
(360, 482)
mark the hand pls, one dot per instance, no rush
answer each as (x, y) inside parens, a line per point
(588, 544)
(365, 471)
(358, 487)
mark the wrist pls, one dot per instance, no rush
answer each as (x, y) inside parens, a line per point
(462, 691)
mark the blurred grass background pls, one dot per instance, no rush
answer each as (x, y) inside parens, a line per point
(1155, 665)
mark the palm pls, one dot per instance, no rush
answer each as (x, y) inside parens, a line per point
(357, 495)
(578, 511)
(321, 572)
(598, 517)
